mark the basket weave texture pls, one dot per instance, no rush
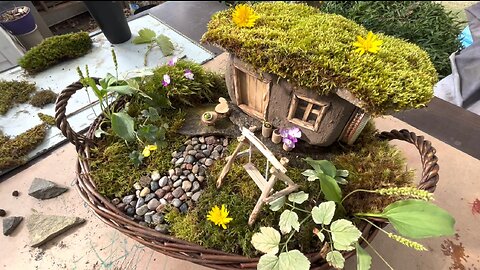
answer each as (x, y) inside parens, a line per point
(180, 249)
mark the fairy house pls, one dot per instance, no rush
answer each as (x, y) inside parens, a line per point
(292, 65)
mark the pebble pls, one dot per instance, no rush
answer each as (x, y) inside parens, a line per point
(218, 148)
(144, 192)
(177, 192)
(189, 159)
(200, 178)
(203, 146)
(173, 160)
(160, 193)
(116, 201)
(174, 177)
(121, 206)
(210, 140)
(183, 177)
(133, 203)
(196, 196)
(140, 202)
(215, 155)
(163, 181)
(186, 172)
(184, 197)
(149, 197)
(137, 193)
(162, 228)
(177, 183)
(191, 177)
(201, 171)
(145, 181)
(182, 167)
(147, 219)
(197, 147)
(188, 148)
(171, 172)
(195, 169)
(154, 186)
(130, 210)
(225, 142)
(15, 193)
(176, 202)
(160, 207)
(208, 162)
(155, 175)
(163, 201)
(202, 160)
(189, 167)
(199, 155)
(169, 196)
(174, 154)
(187, 142)
(179, 162)
(128, 199)
(187, 185)
(206, 152)
(158, 218)
(192, 152)
(189, 194)
(153, 204)
(195, 186)
(183, 208)
(201, 139)
(166, 188)
(142, 210)
(194, 142)
(137, 186)
(150, 213)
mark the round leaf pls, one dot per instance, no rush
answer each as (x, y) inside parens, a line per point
(310, 174)
(277, 204)
(268, 262)
(323, 213)
(324, 166)
(335, 259)
(298, 197)
(266, 240)
(288, 220)
(123, 126)
(293, 259)
(344, 233)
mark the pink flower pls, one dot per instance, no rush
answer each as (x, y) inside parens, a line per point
(290, 136)
(166, 80)
(173, 61)
(188, 74)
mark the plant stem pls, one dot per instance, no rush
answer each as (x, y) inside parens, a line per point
(293, 232)
(299, 209)
(357, 190)
(376, 252)
(369, 215)
(149, 48)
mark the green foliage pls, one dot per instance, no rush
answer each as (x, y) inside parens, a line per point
(13, 151)
(306, 47)
(54, 50)
(14, 92)
(42, 98)
(123, 126)
(325, 171)
(364, 260)
(146, 35)
(425, 23)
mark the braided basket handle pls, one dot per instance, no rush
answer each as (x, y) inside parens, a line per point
(61, 119)
(429, 160)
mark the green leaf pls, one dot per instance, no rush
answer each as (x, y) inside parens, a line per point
(344, 233)
(268, 262)
(288, 220)
(324, 166)
(320, 235)
(419, 219)
(98, 133)
(323, 213)
(310, 174)
(293, 259)
(342, 173)
(341, 180)
(123, 126)
(335, 259)
(298, 197)
(133, 84)
(267, 240)
(330, 188)
(148, 133)
(136, 158)
(339, 246)
(121, 89)
(364, 260)
(144, 36)
(165, 45)
(277, 204)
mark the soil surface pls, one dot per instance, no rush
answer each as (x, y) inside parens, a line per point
(14, 14)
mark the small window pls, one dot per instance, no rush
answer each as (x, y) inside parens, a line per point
(306, 112)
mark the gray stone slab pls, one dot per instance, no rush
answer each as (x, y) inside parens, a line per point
(10, 224)
(43, 189)
(43, 228)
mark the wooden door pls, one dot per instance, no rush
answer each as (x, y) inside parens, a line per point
(252, 93)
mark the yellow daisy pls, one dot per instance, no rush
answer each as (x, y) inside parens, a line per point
(244, 16)
(147, 149)
(370, 44)
(219, 216)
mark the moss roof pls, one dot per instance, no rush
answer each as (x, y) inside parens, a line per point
(314, 50)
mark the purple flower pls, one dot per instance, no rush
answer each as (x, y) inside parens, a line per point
(188, 74)
(166, 80)
(289, 143)
(290, 136)
(173, 61)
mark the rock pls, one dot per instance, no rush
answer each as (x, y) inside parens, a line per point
(2, 213)
(184, 197)
(177, 183)
(116, 201)
(182, 148)
(162, 228)
(10, 224)
(137, 193)
(210, 147)
(174, 154)
(189, 159)
(147, 219)
(188, 148)
(169, 196)
(43, 228)
(186, 185)
(189, 194)
(191, 177)
(179, 162)
(176, 202)
(15, 193)
(200, 178)
(186, 172)
(167, 188)
(183, 177)
(158, 218)
(201, 139)
(153, 204)
(161, 206)
(208, 162)
(127, 199)
(196, 196)
(130, 210)
(155, 175)
(137, 186)
(140, 202)
(203, 147)
(197, 147)
(225, 142)
(133, 203)
(206, 152)
(215, 155)
(199, 156)
(171, 172)
(142, 210)
(149, 197)
(144, 192)
(218, 148)
(188, 167)
(183, 208)
(192, 152)
(195, 186)
(145, 181)
(173, 160)
(154, 186)
(163, 181)
(210, 140)
(163, 202)
(187, 142)
(43, 189)
(178, 171)
(121, 206)
(195, 169)
(202, 160)
(150, 213)
(160, 193)
(201, 171)
(137, 217)
(178, 192)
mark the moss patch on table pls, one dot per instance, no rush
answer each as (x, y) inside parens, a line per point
(14, 92)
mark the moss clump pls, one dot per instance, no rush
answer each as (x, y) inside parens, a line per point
(14, 92)
(42, 98)
(13, 152)
(54, 50)
(47, 119)
(315, 50)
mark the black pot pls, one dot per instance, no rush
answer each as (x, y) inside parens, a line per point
(111, 19)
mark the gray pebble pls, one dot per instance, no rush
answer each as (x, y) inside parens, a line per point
(210, 147)
(202, 160)
(183, 208)
(208, 162)
(163, 181)
(192, 152)
(149, 197)
(173, 160)
(130, 211)
(116, 201)
(177, 183)
(186, 185)
(163, 201)
(199, 156)
(133, 203)
(201, 171)
(201, 139)
(215, 155)
(187, 142)
(191, 177)
(177, 192)
(225, 142)
(195, 186)
(203, 147)
(171, 172)
(137, 193)
(121, 206)
(210, 140)
(196, 196)
(137, 186)
(218, 148)
(153, 204)
(178, 171)
(183, 177)
(195, 169)
(142, 210)
(179, 162)
(162, 228)
(189, 159)
(147, 219)
(160, 193)
(158, 218)
(154, 186)
(188, 148)
(197, 147)
(140, 202)
(176, 202)
(144, 192)
(186, 172)
(206, 152)
(155, 175)
(194, 142)
(150, 213)
(174, 178)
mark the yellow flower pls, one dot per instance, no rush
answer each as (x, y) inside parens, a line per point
(219, 217)
(370, 44)
(244, 16)
(147, 149)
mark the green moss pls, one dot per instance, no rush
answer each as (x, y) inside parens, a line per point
(54, 50)
(42, 98)
(13, 152)
(47, 119)
(315, 50)
(14, 92)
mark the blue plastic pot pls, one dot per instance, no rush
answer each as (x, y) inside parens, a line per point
(20, 26)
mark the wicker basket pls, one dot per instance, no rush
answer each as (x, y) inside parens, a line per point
(180, 249)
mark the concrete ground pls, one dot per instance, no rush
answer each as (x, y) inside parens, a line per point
(95, 245)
